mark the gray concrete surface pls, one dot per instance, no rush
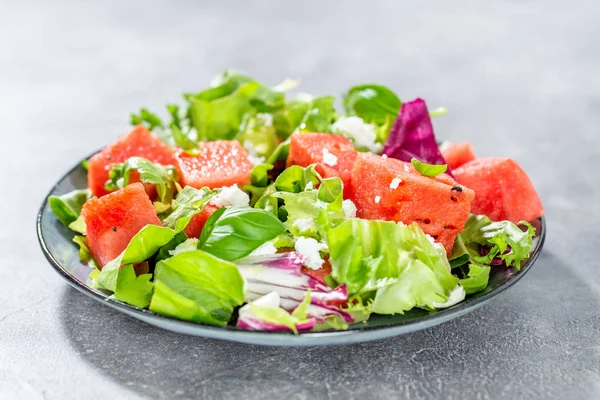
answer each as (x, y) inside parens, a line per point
(521, 79)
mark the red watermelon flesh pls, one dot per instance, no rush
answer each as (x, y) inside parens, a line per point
(457, 154)
(307, 149)
(503, 191)
(219, 163)
(194, 227)
(139, 142)
(439, 205)
(112, 220)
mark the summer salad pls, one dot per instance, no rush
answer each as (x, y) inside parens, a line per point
(253, 208)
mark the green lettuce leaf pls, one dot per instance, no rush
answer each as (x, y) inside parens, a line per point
(234, 232)
(189, 202)
(84, 251)
(477, 278)
(257, 135)
(428, 169)
(67, 207)
(197, 286)
(146, 118)
(396, 261)
(501, 236)
(164, 177)
(373, 103)
(305, 113)
(460, 254)
(132, 289)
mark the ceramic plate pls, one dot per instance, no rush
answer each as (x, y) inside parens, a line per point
(61, 252)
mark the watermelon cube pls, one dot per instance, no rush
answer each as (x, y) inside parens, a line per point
(219, 163)
(333, 154)
(457, 154)
(194, 227)
(503, 191)
(139, 142)
(112, 220)
(390, 189)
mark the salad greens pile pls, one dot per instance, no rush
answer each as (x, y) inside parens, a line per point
(288, 253)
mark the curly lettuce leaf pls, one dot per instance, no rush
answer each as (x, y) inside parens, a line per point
(67, 207)
(506, 240)
(305, 113)
(189, 202)
(394, 263)
(197, 286)
(164, 177)
(258, 135)
(477, 278)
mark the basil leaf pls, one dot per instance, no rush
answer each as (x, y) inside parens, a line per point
(428, 169)
(373, 103)
(67, 207)
(237, 231)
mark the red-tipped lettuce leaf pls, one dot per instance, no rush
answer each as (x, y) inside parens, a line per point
(412, 136)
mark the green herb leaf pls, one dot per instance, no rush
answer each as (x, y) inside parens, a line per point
(477, 279)
(259, 176)
(460, 254)
(237, 231)
(147, 119)
(196, 286)
(257, 135)
(428, 169)
(189, 202)
(182, 140)
(438, 111)
(373, 103)
(164, 177)
(68, 206)
(132, 289)
(84, 251)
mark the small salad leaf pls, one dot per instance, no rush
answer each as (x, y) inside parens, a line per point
(257, 135)
(320, 116)
(234, 232)
(412, 136)
(132, 289)
(373, 103)
(84, 251)
(141, 247)
(220, 118)
(428, 169)
(85, 164)
(438, 111)
(189, 202)
(295, 179)
(183, 141)
(305, 113)
(165, 251)
(505, 240)
(477, 278)
(196, 286)
(78, 225)
(68, 206)
(460, 254)
(164, 177)
(260, 175)
(147, 119)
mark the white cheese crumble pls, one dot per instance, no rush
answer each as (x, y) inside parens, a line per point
(188, 245)
(349, 209)
(265, 249)
(120, 183)
(356, 129)
(384, 156)
(328, 158)
(456, 296)
(406, 169)
(304, 224)
(377, 199)
(230, 196)
(256, 160)
(309, 248)
(395, 183)
(309, 186)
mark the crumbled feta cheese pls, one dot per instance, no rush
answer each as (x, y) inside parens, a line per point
(256, 160)
(395, 183)
(377, 199)
(356, 129)
(384, 156)
(264, 119)
(309, 186)
(265, 249)
(309, 248)
(456, 296)
(406, 169)
(304, 224)
(328, 158)
(120, 183)
(230, 196)
(349, 209)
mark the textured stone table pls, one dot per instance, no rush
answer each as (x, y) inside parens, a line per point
(520, 78)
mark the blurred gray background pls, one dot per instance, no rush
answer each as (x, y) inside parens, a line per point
(520, 78)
